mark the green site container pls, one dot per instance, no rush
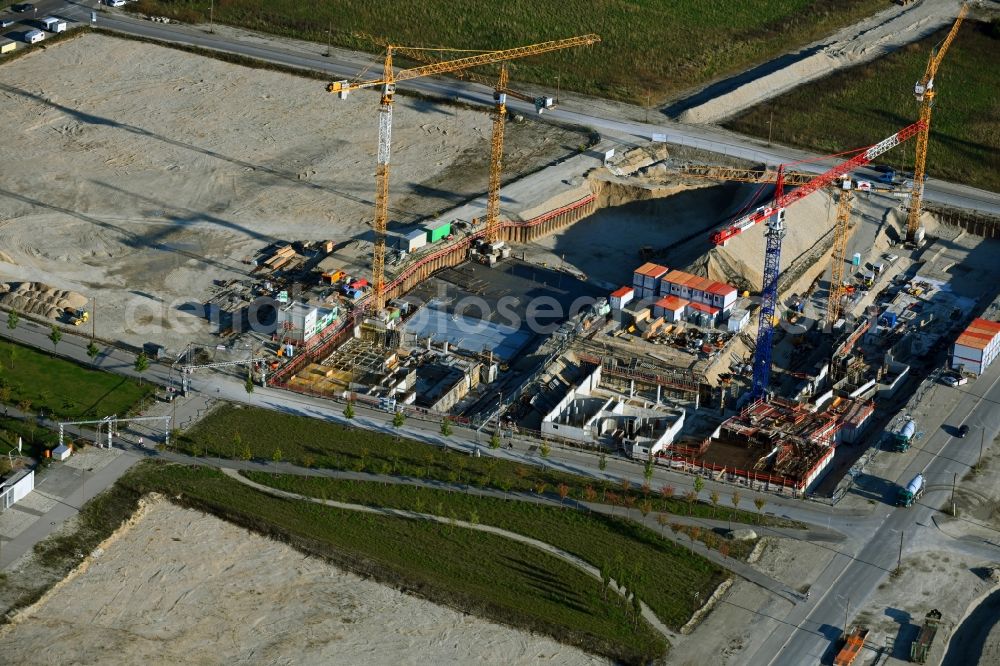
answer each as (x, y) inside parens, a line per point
(437, 230)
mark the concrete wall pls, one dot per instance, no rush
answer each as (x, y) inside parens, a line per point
(16, 488)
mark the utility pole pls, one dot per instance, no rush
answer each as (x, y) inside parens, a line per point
(211, 17)
(770, 123)
(847, 614)
(899, 562)
(329, 29)
(954, 480)
(93, 320)
(982, 441)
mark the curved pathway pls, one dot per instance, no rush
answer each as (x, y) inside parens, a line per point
(587, 568)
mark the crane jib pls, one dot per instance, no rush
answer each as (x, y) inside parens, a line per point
(822, 180)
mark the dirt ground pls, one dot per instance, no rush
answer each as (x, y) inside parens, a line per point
(144, 173)
(747, 615)
(181, 586)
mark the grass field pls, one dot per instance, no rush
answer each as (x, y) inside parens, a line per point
(668, 575)
(862, 105)
(62, 387)
(647, 45)
(480, 573)
(311, 442)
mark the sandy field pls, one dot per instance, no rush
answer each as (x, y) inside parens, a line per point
(144, 173)
(179, 586)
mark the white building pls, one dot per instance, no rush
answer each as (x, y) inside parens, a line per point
(16, 487)
(977, 346)
(587, 417)
(298, 322)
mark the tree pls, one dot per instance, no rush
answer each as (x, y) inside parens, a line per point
(563, 491)
(248, 386)
(647, 471)
(602, 462)
(276, 456)
(92, 351)
(237, 443)
(12, 319)
(141, 364)
(605, 580)
(629, 501)
(446, 427)
(735, 501)
(636, 608)
(699, 485)
(626, 486)
(662, 519)
(505, 486)
(694, 532)
(473, 517)
(540, 487)
(349, 409)
(714, 499)
(495, 440)
(12, 351)
(646, 507)
(544, 449)
(55, 335)
(667, 492)
(589, 494)
(398, 419)
(759, 502)
(690, 497)
(724, 549)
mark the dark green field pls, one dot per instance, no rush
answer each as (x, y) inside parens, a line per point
(312, 442)
(62, 387)
(648, 45)
(479, 573)
(668, 575)
(865, 104)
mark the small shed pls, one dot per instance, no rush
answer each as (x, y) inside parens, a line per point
(7, 46)
(738, 320)
(61, 452)
(414, 240)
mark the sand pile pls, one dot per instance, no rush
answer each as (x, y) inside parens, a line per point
(183, 587)
(741, 261)
(39, 299)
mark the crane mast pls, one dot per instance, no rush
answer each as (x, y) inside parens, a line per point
(496, 159)
(388, 83)
(840, 236)
(924, 92)
(769, 294)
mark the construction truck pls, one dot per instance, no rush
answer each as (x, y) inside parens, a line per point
(902, 437)
(921, 647)
(77, 316)
(853, 642)
(912, 492)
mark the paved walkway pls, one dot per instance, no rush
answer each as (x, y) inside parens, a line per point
(587, 568)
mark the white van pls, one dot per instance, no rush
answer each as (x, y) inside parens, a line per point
(34, 36)
(115, 3)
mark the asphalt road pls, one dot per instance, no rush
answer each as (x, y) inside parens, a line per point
(809, 631)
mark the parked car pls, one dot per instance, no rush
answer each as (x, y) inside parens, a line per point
(963, 431)
(6, 23)
(954, 380)
(886, 174)
(22, 7)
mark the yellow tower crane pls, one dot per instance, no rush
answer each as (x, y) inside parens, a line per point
(840, 235)
(924, 92)
(390, 77)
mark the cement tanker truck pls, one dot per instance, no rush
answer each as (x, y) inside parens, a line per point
(902, 437)
(912, 492)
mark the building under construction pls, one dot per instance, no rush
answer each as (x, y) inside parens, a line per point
(777, 443)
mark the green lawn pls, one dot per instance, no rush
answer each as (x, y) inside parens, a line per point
(865, 104)
(235, 431)
(649, 46)
(63, 387)
(34, 438)
(480, 573)
(668, 575)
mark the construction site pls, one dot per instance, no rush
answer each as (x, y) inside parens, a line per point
(747, 325)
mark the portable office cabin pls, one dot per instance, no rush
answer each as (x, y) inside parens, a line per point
(437, 230)
(52, 24)
(413, 240)
(34, 36)
(7, 46)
